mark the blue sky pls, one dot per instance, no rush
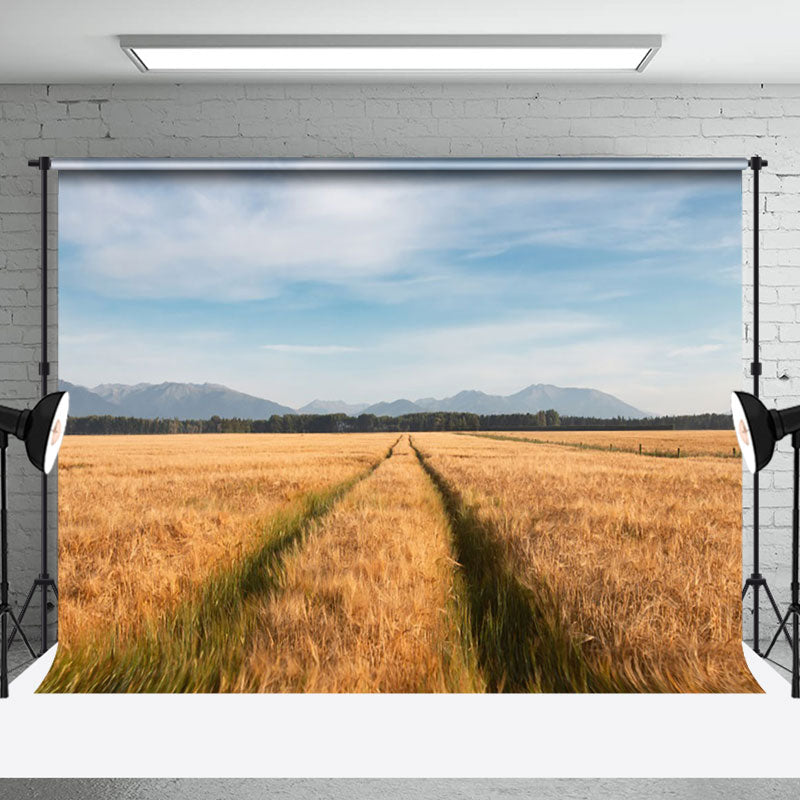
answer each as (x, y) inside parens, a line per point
(377, 286)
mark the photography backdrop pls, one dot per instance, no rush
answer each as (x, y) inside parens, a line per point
(369, 287)
(187, 295)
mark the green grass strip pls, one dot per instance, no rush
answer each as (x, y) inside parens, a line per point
(522, 641)
(202, 646)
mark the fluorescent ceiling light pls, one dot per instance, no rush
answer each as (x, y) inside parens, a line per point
(391, 53)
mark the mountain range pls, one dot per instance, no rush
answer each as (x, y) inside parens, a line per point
(169, 400)
(204, 400)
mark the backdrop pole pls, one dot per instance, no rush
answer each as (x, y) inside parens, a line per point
(44, 582)
(756, 579)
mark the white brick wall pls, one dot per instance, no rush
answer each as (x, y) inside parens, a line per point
(403, 120)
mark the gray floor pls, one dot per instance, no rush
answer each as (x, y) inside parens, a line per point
(781, 655)
(566, 789)
(19, 658)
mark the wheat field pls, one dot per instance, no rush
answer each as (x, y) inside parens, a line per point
(720, 443)
(368, 603)
(145, 519)
(396, 563)
(641, 556)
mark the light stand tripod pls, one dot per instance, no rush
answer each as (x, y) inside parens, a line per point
(44, 581)
(757, 581)
(42, 430)
(5, 608)
(794, 606)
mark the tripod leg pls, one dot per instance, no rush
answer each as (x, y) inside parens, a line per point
(777, 612)
(3, 656)
(744, 591)
(778, 633)
(756, 609)
(22, 614)
(54, 588)
(795, 655)
(16, 625)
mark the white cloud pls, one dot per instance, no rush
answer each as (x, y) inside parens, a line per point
(465, 341)
(496, 358)
(696, 350)
(232, 239)
(310, 349)
(390, 242)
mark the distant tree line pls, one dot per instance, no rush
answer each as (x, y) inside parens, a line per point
(367, 423)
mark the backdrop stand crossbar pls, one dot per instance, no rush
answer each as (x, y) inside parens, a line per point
(44, 583)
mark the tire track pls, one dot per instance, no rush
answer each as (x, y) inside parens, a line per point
(367, 604)
(522, 643)
(200, 649)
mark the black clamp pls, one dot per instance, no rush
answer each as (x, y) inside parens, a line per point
(756, 163)
(43, 163)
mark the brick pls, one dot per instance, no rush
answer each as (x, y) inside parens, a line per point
(778, 313)
(744, 126)
(414, 108)
(191, 129)
(481, 109)
(470, 127)
(19, 129)
(533, 126)
(603, 126)
(776, 498)
(562, 109)
(219, 109)
(671, 107)
(704, 108)
(645, 108)
(83, 110)
(357, 126)
(74, 129)
(375, 109)
(506, 107)
(784, 126)
(404, 128)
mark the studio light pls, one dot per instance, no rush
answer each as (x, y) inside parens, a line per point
(758, 429)
(42, 430)
(391, 53)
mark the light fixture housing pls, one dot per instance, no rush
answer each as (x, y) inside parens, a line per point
(758, 428)
(391, 53)
(41, 428)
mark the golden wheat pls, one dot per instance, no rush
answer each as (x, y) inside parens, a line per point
(643, 556)
(640, 556)
(367, 603)
(144, 519)
(691, 443)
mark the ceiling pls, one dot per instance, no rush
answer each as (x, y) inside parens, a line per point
(705, 41)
